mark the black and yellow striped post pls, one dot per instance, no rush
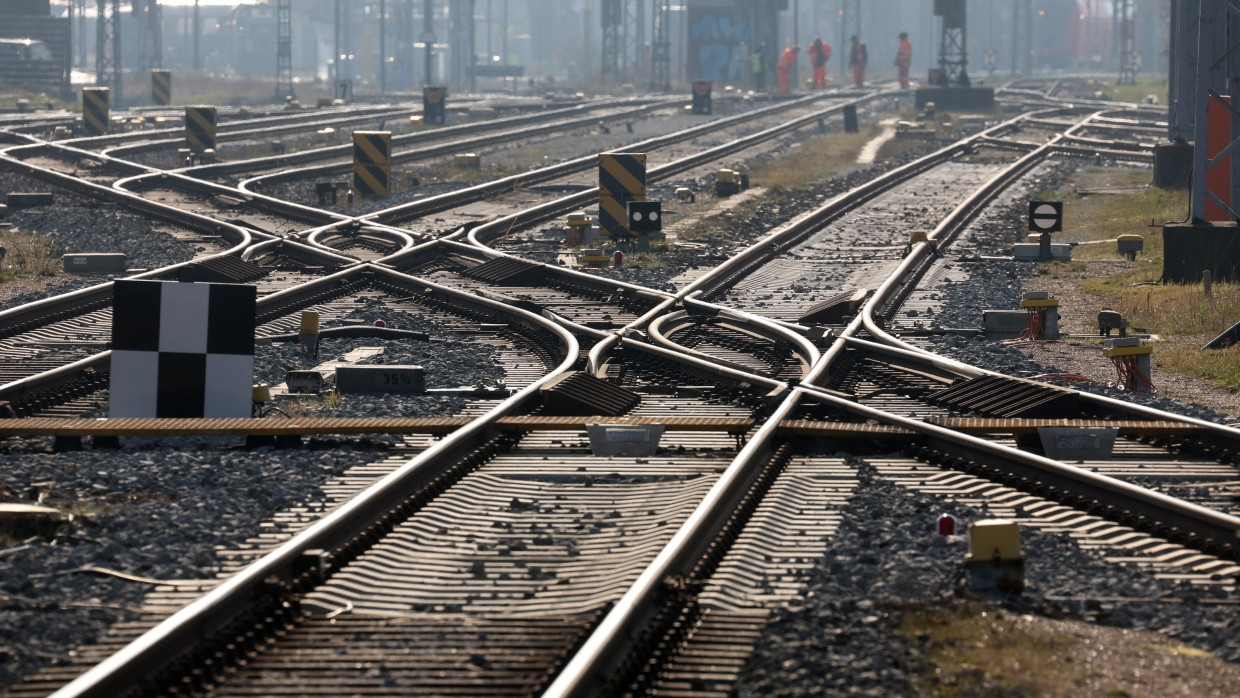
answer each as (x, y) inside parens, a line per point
(95, 111)
(161, 87)
(372, 162)
(621, 179)
(200, 128)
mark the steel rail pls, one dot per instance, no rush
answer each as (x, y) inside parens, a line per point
(193, 624)
(272, 124)
(267, 204)
(1222, 434)
(344, 150)
(49, 380)
(57, 150)
(593, 664)
(449, 148)
(1121, 498)
(231, 134)
(682, 321)
(437, 203)
(605, 649)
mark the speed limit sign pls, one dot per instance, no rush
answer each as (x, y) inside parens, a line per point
(1046, 216)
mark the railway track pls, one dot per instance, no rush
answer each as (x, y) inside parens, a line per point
(522, 563)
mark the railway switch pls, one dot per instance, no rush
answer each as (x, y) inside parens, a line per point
(1132, 363)
(685, 194)
(1043, 315)
(1130, 245)
(995, 560)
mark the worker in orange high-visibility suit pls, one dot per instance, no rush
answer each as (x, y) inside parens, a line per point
(783, 69)
(858, 58)
(819, 54)
(904, 59)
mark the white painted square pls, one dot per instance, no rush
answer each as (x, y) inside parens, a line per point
(230, 385)
(133, 382)
(183, 317)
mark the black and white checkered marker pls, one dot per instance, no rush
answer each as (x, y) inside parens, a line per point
(645, 216)
(182, 349)
(1046, 216)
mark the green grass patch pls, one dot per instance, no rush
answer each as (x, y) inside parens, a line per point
(1102, 204)
(28, 254)
(1221, 367)
(814, 159)
(975, 650)
(1144, 87)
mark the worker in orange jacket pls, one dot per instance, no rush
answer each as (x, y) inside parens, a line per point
(783, 69)
(819, 54)
(904, 59)
(858, 59)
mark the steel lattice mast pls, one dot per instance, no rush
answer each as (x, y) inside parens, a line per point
(284, 49)
(108, 48)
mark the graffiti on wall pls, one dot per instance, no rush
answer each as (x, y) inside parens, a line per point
(718, 45)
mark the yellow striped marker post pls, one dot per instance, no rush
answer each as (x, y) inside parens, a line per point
(621, 179)
(200, 128)
(372, 162)
(161, 87)
(95, 111)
